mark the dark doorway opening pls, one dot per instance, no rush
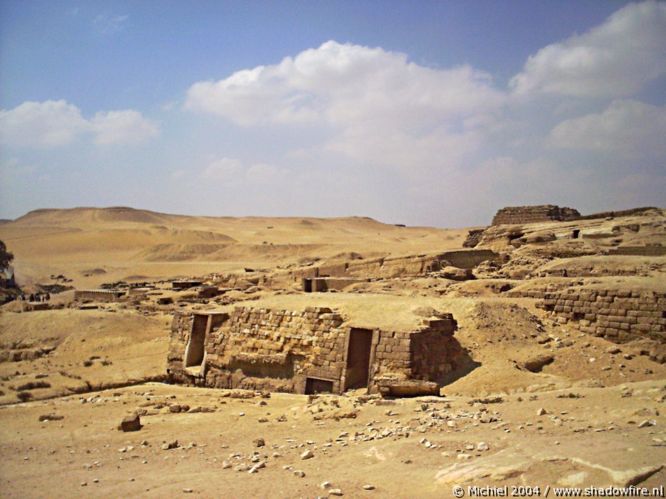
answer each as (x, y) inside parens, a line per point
(195, 348)
(358, 358)
(307, 285)
(316, 385)
(575, 233)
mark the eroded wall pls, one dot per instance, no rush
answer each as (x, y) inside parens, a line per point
(278, 350)
(616, 314)
(533, 214)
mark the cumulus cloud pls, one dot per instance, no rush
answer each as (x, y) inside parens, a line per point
(346, 84)
(58, 123)
(223, 169)
(626, 127)
(614, 59)
(368, 97)
(233, 170)
(122, 127)
(41, 124)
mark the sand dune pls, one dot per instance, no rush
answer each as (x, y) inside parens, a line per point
(126, 241)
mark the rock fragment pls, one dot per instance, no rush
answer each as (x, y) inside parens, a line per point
(130, 423)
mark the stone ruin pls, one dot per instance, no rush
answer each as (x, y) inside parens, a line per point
(619, 315)
(98, 295)
(341, 275)
(534, 214)
(310, 351)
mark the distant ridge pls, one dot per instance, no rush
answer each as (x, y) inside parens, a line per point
(137, 215)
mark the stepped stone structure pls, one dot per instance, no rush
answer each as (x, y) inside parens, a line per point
(533, 214)
(310, 351)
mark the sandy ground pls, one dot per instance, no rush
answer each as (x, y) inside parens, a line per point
(591, 417)
(91, 246)
(404, 448)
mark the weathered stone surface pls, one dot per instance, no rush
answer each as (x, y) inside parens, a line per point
(536, 364)
(130, 423)
(532, 214)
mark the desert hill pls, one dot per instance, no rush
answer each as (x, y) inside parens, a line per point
(125, 242)
(558, 380)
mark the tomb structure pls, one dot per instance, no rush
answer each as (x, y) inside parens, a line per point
(309, 351)
(534, 214)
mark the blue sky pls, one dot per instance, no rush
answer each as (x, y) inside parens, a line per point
(429, 113)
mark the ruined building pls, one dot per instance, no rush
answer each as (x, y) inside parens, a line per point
(310, 351)
(533, 214)
(340, 275)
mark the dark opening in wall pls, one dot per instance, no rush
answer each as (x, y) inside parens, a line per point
(194, 354)
(316, 385)
(358, 358)
(578, 316)
(575, 233)
(307, 285)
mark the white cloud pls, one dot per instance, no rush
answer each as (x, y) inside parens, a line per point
(346, 85)
(263, 173)
(370, 100)
(626, 127)
(58, 123)
(232, 170)
(108, 24)
(223, 169)
(122, 127)
(41, 124)
(614, 59)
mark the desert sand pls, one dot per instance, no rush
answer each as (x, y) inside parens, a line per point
(592, 415)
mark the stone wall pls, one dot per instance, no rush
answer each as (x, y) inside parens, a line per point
(100, 295)
(473, 238)
(532, 214)
(404, 266)
(615, 314)
(279, 350)
(322, 284)
(638, 250)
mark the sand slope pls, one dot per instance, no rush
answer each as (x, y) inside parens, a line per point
(126, 242)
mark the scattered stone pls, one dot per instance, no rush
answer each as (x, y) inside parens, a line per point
(299, 473)
(367, 486)
(130, 423)
(259, 442)
(536, 364)
(482, 446)
(51, 417)
(170, 445)
(646, 423)
(335, 492)
(541, 411)
(308, 454)
(257, 467)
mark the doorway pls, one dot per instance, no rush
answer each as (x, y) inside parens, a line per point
(317, 385)
(358, 358)
(194, 354)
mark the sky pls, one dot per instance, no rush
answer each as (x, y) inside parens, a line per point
(424, 113)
